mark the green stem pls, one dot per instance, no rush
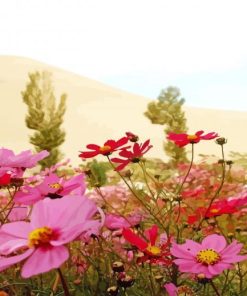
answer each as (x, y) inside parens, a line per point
(214, 287)
(184, 180)
(64, 284)
(218, 190)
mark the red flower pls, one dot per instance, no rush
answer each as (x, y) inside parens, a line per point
(108, 147)
(218, 208)
(138, 151)
(5, 179)
(152, 252)
(182, 140)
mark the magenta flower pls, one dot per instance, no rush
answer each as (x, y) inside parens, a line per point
(210, 257)
(53, 187)
(53, 224)
(16, 164)
(113, 221)
(172, 290)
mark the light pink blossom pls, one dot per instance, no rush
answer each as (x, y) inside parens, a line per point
(53, 224)
(17, 163)
(53, 187)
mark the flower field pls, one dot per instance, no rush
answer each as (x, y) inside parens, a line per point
(123, 224)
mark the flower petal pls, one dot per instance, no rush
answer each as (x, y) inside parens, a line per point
(7, 262)
(18, 229)
(44, 259)
(134, 239)
(215, 242)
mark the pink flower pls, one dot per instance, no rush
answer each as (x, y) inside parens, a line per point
(18, 213)
(53, 187)
(182, 140)
(16, 164)
(113, 221)
(172, 290)
(53, 224)
(210, 257)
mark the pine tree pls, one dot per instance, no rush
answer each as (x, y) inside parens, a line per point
(167, 111)
(44, 116)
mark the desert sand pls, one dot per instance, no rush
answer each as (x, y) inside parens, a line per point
(97, 112)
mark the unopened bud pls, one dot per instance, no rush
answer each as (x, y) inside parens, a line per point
(127, 174)
(158, 278)
(230, 234)
(113, 291)
(221, 141)
(229, 162)
(211, 222)
(117, 266)
(201, 278)
(126, 281)
(132, 137)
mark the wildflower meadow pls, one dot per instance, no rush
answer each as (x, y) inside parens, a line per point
(123, 224)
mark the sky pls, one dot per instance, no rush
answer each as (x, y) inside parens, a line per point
(141, 46)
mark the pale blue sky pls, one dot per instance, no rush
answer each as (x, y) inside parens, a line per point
(140, 46)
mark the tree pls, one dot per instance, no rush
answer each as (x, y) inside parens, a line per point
(167, 111)
(44, 116)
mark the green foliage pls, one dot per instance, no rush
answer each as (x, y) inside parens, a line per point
(44, 116)
(167, 111)
(96, 172)
(239, 158)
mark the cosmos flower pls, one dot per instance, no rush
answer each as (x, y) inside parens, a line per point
(53, 187)
(114, 221)
(131, 156)
(17, 164)
(182, 140)
(154, 253)
(172, 290)
(210, 257)
(53, 224)
(108, 147)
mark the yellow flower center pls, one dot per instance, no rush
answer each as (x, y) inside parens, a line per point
(153, 250)
(105, 149)
(40, 236)
(55, 186)
(192, 137)
(214, 211)
(208, 257)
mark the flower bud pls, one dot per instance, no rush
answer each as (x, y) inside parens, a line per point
(238, 228)
(117, 266)
(113, 291)
(125, 281)
(158, 278)
(127, 174)
(230, 235)
(132, 137)
(221, 141)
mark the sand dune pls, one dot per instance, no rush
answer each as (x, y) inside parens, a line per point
(96, 112)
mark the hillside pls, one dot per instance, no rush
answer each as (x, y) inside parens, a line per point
(96, 112)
